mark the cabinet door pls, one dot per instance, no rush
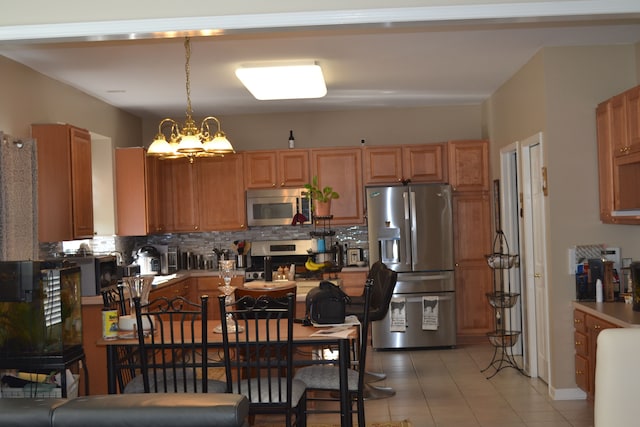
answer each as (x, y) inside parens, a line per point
(81, 181)
(382, 165)
(182, 201)
(138, 186)
(474, 315)
(626, 175)
(619, 130)
(424, 163)
(605, 157)
(469, 165)
(293, 168)
(154, 195)
(341, 168)
(472, 241)
(260, 169)
(633, 118)
(220, 188)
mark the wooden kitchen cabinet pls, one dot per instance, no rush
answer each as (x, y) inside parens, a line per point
(206, 195)
(211, 286)
(469, 165)
(65, 194)
(473, 278)
(341, 168)
(276, 169)
(352, 282)
(220, 190)
(472, 234)
(138, 193)
(407, 163)
(586, 330)
(618, 131)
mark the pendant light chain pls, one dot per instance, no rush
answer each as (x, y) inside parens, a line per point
(187, 69)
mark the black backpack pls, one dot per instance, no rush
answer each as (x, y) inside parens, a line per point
(326, 304)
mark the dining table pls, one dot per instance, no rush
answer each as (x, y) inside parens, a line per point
(304, 335)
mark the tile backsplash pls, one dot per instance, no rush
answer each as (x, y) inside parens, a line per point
(205, 242)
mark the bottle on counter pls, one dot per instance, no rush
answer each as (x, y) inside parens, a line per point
(268, 269)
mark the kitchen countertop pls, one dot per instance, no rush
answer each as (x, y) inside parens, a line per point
(181, 275)
(618, 313)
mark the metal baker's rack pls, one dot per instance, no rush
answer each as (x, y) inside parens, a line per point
(504, 336)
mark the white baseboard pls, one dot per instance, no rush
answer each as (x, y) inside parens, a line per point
(567, 394)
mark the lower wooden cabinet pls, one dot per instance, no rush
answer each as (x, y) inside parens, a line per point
(211, 286)
(586, 330)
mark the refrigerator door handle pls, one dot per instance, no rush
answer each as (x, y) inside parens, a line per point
(419, 298)
(423, 278)
(414, 237)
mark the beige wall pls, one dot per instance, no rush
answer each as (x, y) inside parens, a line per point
(347, 128)
(556, 93)
(29, 97)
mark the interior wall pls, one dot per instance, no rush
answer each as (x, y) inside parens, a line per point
(346, 128)
(557, 93)
(31, 97)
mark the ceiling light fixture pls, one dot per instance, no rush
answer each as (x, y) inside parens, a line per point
(291, 80)
(188, 140)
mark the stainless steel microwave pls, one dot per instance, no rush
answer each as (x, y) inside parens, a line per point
(277, 206)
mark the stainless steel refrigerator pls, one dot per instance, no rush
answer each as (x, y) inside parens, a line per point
(410, 229)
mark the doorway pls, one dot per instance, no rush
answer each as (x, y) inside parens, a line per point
(524, 223)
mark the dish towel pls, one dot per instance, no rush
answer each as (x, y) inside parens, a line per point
(430, 313)
(398, 308)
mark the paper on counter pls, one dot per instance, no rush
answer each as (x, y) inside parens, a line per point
(337, 332)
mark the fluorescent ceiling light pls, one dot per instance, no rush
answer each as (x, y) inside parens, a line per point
(283, 81)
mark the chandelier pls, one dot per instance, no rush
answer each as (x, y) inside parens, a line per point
(189, 140)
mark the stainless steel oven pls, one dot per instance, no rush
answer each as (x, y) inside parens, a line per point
(277, 206)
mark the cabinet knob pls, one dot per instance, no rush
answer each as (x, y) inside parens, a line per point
(577, 343)
(597, 327)
(579, 373)
(577, 321)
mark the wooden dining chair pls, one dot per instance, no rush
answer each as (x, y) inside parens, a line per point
(127, 364)
(326, 378)
(172, 345)
(258, 354)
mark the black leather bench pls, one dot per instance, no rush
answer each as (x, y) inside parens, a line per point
(158, 410)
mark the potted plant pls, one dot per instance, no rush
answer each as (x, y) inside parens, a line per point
(321, 196)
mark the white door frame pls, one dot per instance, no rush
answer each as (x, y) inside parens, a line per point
(516, 177)
(511, 226)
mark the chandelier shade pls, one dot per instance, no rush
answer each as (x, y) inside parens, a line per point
(189, 140)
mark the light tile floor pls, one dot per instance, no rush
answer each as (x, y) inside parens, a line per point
(446, 388)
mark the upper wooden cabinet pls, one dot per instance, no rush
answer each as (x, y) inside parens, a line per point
(138, 198)
(206, 195)
(65, 194)
(407, 163)
(276, 169)
(469, 165)
(341, 168)
(220, 190)
(618, 127)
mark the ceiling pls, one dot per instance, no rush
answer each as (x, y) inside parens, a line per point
(365, 66)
